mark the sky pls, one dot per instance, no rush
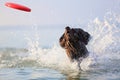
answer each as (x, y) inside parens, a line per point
(48, 13)
(55, 12)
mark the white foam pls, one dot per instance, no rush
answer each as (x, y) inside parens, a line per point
(103, 46)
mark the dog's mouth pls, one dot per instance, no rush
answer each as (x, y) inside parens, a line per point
(68, 31)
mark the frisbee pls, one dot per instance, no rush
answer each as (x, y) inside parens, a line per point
(17, 6)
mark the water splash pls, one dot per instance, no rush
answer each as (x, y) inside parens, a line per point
(104, 45)
(103, 48)
(54, 57)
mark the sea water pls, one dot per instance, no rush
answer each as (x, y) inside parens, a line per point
(33, 53)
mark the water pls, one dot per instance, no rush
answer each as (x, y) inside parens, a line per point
(27, 54)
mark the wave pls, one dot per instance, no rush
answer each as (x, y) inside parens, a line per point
(103, 48)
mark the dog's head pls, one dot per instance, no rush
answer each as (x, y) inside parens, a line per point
(76, 35)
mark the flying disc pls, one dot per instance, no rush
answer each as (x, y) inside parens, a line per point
(17, 6)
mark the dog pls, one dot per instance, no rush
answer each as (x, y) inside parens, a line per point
(74, 41)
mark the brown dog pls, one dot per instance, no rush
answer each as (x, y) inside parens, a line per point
(73, 41)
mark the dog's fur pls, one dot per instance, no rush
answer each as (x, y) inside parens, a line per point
(73, 41)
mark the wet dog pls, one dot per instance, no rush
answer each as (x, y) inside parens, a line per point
(74, 41)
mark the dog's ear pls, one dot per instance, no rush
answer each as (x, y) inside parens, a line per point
(86, 37)
(83, 36)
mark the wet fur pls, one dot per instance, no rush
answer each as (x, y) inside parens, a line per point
(74, 41)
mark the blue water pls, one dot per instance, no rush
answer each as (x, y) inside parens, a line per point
(33, 52)
(30, 74)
